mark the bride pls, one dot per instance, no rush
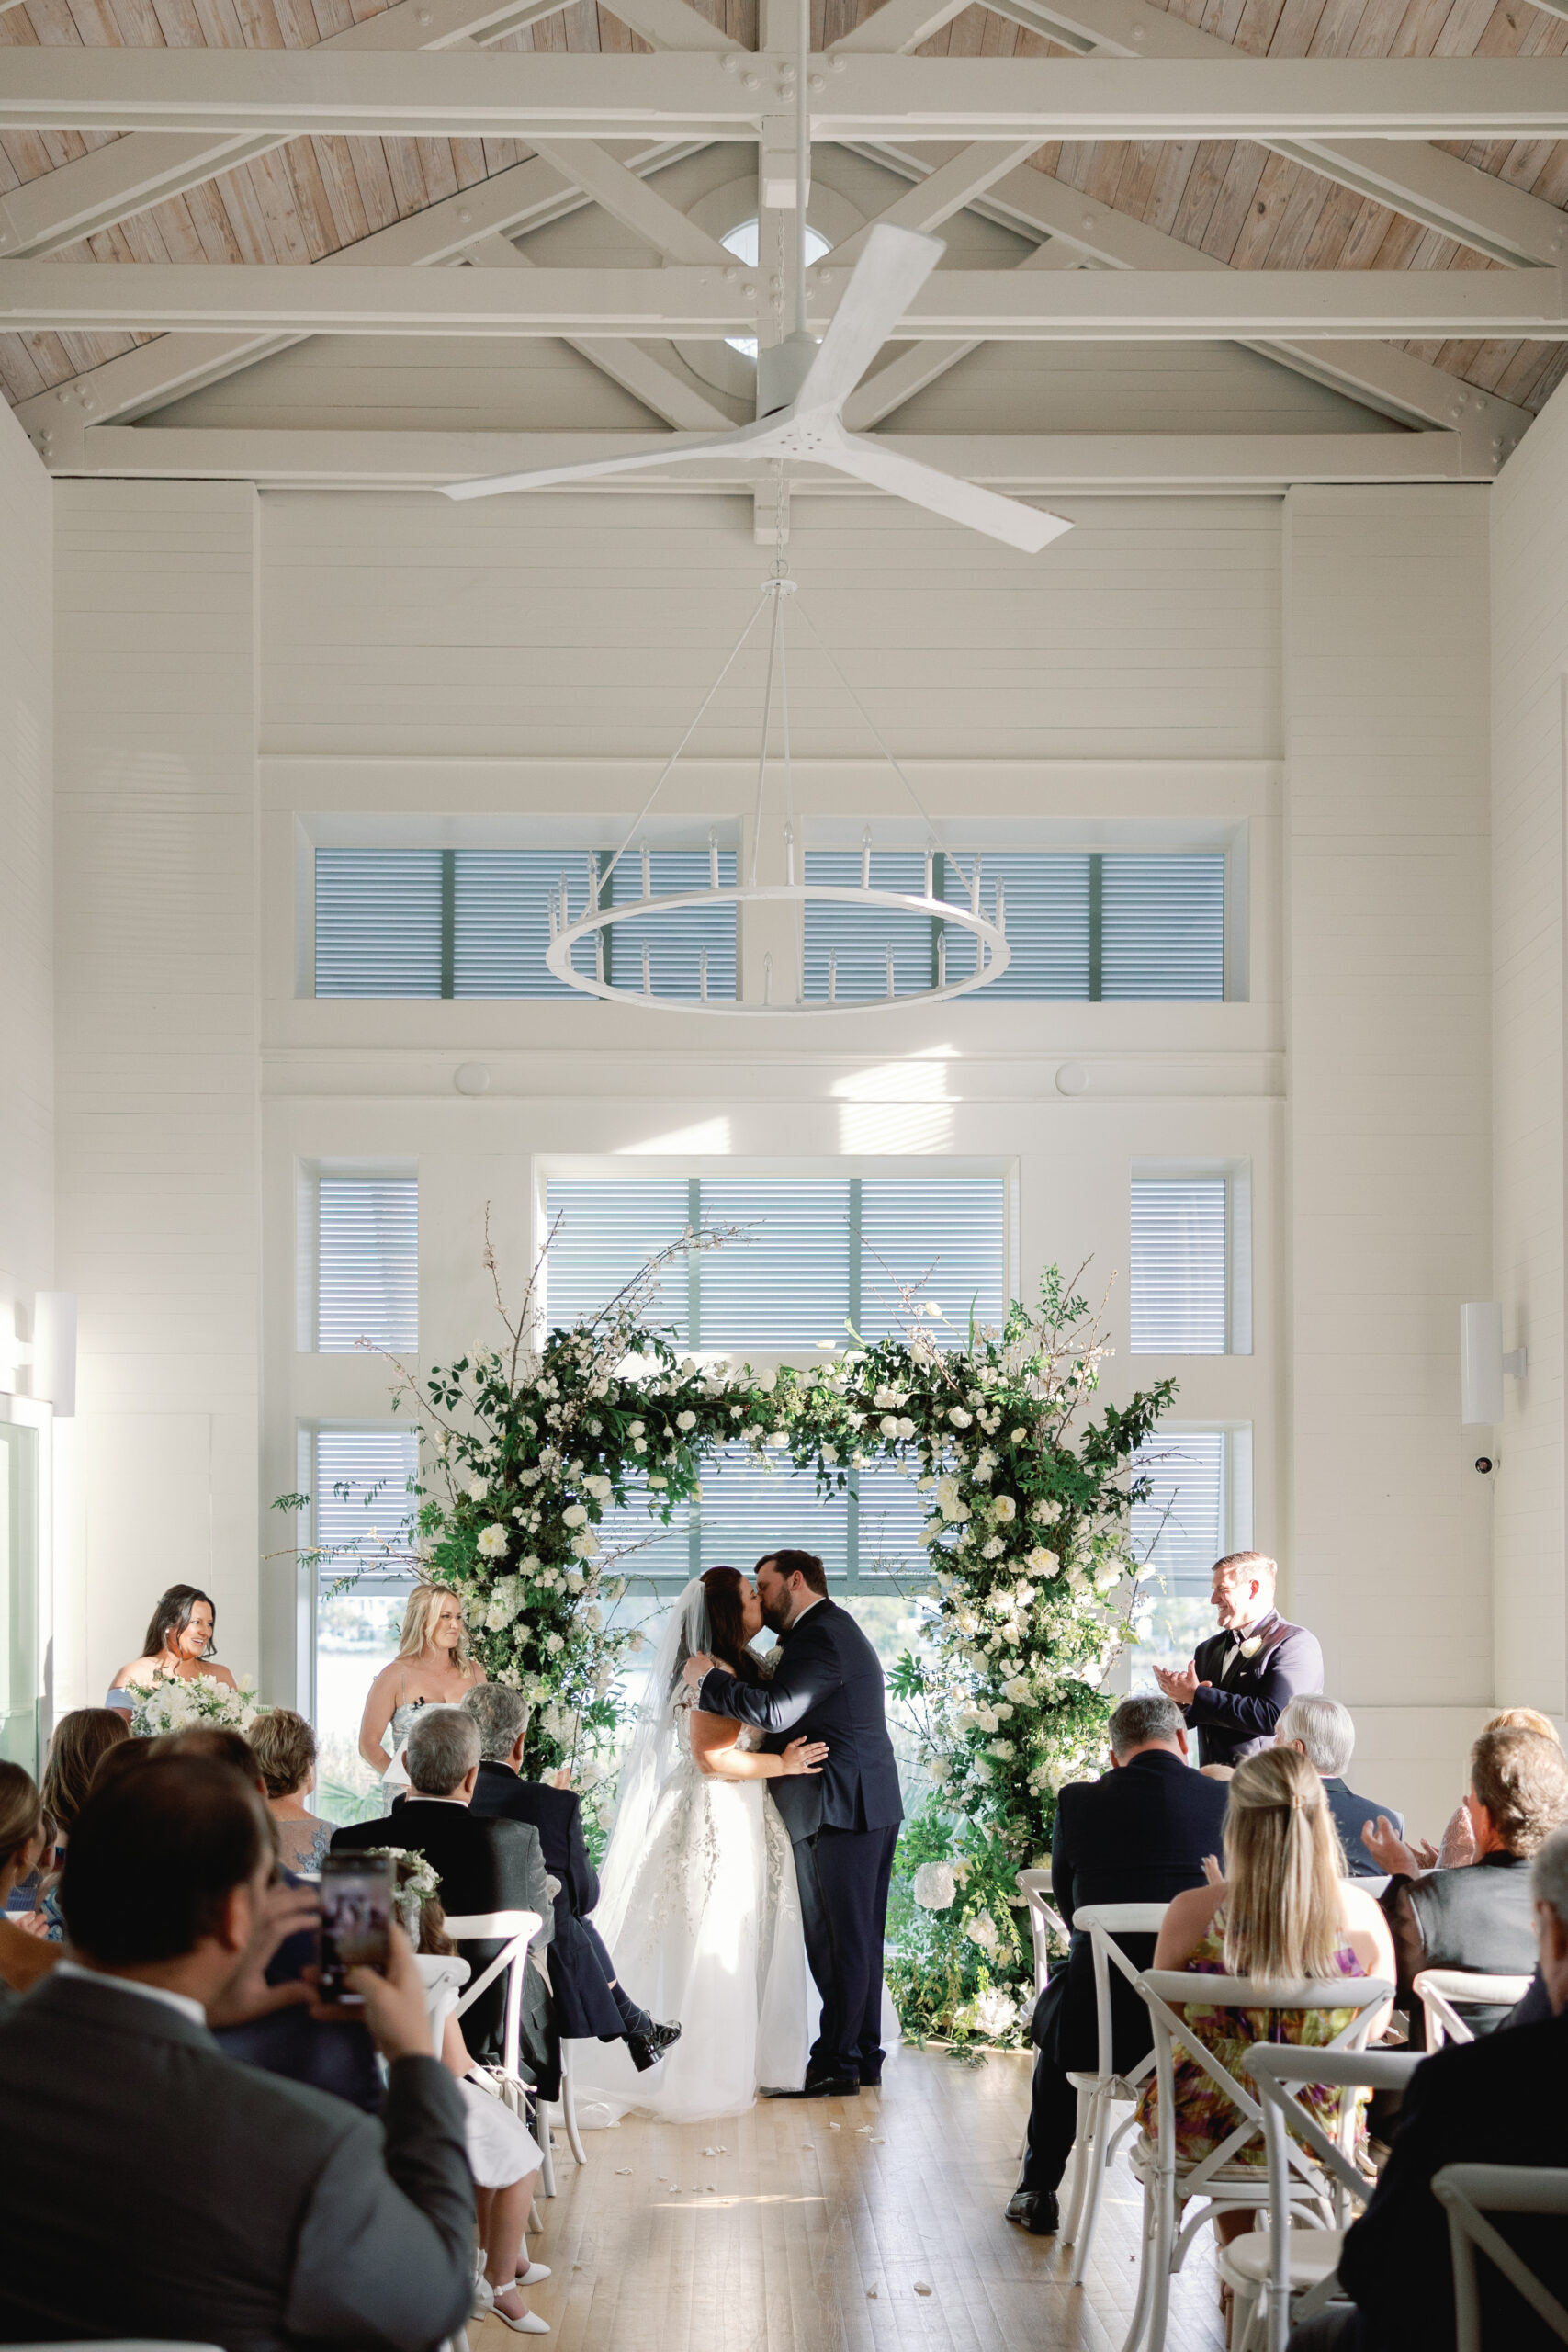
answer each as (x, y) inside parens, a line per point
(699, 1904)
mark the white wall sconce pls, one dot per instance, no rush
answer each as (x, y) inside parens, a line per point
(1483, 1363)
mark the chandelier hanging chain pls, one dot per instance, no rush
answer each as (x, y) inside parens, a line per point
(773, 590)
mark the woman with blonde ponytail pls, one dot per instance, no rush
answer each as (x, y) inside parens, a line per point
(1281, 1912)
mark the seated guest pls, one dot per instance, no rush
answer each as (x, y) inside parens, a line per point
(1138, 1836)
(1239, 1682)
(484, 1865)
(285, 1748)
(1479, 1916)
(1499, 2101)
(1322, 1731)
(590, 2003)
(80, 1739)
(1281, 1912)
(24, 1956)
(313, 2222)
(1458, 1846)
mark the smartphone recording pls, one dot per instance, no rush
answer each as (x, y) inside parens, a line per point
(356, 1921)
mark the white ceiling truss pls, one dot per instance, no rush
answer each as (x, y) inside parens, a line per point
(602, 129)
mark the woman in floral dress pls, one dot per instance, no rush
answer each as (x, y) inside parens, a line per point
(1280, 1913)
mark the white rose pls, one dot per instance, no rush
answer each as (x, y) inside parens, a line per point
(830, 1453)
(686, 1421)
(905, 1426)
(1004, 1509)
(554, 1644)
(992, 1548)
(982, 1931)
(936, 1885)
(1042, 1562)
(994, 2013)
(639, 1446)
(478, 1490)
(1017, 1436)
(574, 1516)
(940, 1767)
(586, 1546)
(890, 1425)
(959, 1418)
(637, 1429)
(493, 1541)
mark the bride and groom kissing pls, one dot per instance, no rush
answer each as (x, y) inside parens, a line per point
(752, 1849)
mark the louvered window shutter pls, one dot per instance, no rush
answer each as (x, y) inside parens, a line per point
(1183, 1526)
(367, 1263)
(361, 1496)
(1178, 1286)
(1088, 928)
(379, 922)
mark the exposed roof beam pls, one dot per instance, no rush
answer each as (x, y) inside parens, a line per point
(671, 24)
(1031, 463)
(112, 184)
(898, 27)
(506, 95)
(943, 192)
(1394, 381)
(956, 305)
(633, 203)
(1479, 210)
(526, 195)
(920, 363)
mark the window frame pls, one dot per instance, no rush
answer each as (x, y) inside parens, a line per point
(309, 1173)
(1237, 1177)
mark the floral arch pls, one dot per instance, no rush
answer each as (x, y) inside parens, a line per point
(1029, 1592)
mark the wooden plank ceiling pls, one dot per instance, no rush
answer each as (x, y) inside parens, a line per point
(1230, 199)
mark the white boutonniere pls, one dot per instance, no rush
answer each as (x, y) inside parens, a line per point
(1250, 1648)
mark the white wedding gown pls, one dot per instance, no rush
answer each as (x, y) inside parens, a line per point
(701, 1914)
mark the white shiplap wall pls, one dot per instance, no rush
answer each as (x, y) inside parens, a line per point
(158, 1047)
(1387, 963)
(1529, 689)
(26, 852)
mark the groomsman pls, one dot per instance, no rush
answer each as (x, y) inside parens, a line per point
(1241, 1679)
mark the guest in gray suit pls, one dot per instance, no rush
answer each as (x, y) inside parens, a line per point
(1324, 1732)
(132, 2136)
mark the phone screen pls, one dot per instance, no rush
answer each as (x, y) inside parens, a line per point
(356, 1918)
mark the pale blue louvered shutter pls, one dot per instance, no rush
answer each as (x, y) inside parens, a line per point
(501, 919)
(602, 1232)
(360, 1499)
(379, 922)
(1182, 1525)
(678, 941)
(947, 1233)
(858, 937)
(367, 1263)
(1178, 1301)
(1046, 903)
(1162, 929)
(787, 1284)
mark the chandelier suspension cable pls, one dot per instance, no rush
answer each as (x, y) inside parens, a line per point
(969, 883)
(773, 590)
(802, 155)
(664, 773)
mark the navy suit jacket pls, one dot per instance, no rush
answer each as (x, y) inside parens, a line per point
(580, 1969)
(1350, 1812)
(828, 1685)
(1137, 1836)
(1236, 1717)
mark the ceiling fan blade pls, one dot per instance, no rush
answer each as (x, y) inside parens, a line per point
(749, 439)
(893, 266)
(1027, 528)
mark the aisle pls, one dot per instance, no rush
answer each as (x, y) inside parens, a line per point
(802, 2237)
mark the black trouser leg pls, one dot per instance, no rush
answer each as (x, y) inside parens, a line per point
(871, 2050)
(852, 1869)
(818, 1953)
(1052, 2126)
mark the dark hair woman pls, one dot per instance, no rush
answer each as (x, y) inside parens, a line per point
(179, 1644)
(81, 1739)
(24, 1833)
(735, 1618)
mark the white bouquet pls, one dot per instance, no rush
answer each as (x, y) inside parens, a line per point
(171, 1704)
(416, 1878)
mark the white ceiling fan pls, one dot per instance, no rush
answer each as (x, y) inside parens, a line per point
(802, 386)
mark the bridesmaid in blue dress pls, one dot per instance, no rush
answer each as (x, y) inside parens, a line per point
(179, 1642)
(433, 1668)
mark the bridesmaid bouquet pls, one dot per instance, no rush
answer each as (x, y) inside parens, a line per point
(171, 1704)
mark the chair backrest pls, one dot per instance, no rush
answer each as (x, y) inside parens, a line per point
(1105, 1922)
(444, 1976)
(514, 1930)
(1045, 1921)
(1471, 2191)
(1437, 1989)
(1281, 2070)
(1167, 1989)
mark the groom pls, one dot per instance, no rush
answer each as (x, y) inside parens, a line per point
(843, 1822)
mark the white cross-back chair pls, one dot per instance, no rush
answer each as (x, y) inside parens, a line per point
(1469, 2192)
(1438, 1990)
(514, 1930)
(1264, 2269)
(445, 1975)
(1095, 2144)
(1045, 1921)
(1171, 2183)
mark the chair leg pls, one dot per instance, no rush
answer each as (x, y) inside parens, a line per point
(1146, 2273)
(569, 2106)
(1099, 2161)
(547, 2165)
(1085, 2138)
(1159, 2296)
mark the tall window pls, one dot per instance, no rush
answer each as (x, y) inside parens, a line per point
(475, 923)
(367, 1263)
(817, 1255)
(1099, 927)
(362, 1515)
(1199, 1508)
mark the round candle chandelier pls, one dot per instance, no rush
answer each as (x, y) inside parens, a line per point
(969, 914)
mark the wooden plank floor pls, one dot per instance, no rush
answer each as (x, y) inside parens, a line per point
(821, 2222)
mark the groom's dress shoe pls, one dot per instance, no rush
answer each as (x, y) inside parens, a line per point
(822, 2087)
(1034, 2210)
(648, 2048)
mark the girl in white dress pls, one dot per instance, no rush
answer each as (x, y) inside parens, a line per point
(699, 1903)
